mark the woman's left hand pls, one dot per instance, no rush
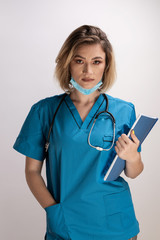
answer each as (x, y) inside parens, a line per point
(127, 148)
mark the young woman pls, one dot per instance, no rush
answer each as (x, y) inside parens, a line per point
(79, 204)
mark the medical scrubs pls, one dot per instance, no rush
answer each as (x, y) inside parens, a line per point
(88, 208)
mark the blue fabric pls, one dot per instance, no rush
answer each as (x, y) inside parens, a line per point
(86, 208)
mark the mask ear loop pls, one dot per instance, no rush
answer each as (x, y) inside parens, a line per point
(101, 86)
(71, 87)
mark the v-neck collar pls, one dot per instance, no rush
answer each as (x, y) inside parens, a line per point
(91, 115)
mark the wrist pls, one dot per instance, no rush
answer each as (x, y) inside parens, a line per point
(49, 204)
(135, 159)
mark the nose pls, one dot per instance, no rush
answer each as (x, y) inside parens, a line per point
(87, 68)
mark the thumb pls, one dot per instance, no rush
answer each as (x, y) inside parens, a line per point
(134, 138)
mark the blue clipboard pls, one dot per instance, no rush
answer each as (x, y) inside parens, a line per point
(142, 126)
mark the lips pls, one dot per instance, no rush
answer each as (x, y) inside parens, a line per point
(87, 79)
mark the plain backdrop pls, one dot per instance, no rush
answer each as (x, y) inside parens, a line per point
(32, 33)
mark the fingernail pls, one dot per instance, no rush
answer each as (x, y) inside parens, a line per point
(133, 131)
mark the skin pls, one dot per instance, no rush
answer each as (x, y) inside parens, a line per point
(86, 65)
(127, 150)
(36, 182)
(89, 62)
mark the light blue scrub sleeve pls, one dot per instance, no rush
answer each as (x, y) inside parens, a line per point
(31, 140)
(132, 120)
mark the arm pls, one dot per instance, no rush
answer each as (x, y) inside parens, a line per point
(36, 182)
(127, 150)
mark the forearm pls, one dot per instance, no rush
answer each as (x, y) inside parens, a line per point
(134, 168)
(38, 188)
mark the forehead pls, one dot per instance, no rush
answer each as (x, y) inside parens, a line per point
(91, 50)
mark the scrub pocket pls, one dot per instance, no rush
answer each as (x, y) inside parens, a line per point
(119, 211)
(55, 222)
(107, 141)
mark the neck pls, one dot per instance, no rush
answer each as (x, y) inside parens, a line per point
(78, 97)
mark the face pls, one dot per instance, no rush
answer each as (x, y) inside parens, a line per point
(88, 64)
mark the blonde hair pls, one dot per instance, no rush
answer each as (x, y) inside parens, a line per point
(85, 34)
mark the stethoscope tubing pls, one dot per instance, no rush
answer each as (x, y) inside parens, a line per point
(114, 127)
(98, 148)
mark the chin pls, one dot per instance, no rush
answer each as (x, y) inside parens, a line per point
(87, 85)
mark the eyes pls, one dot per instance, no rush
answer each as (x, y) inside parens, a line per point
(80, 61)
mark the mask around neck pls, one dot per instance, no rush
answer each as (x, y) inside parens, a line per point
(84, 90)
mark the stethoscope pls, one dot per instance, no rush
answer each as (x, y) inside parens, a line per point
(96, 117)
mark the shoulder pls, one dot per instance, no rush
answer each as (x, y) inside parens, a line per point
(120, 103)
(48, 102)
(124, 113)
(42, 112)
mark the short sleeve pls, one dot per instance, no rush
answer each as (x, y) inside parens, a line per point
(30, 141)
(132, 120)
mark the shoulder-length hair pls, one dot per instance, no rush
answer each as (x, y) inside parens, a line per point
(85, 34)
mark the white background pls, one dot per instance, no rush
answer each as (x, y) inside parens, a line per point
(32, 33)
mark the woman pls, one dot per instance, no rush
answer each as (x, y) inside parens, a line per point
(79, 204)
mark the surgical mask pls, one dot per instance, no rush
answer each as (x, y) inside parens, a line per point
(84, 90)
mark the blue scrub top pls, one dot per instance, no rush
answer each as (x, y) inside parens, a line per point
(87, 208)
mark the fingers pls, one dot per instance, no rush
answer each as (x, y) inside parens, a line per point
(124, 138)
(122, 141)
(127, 148)
(117, 150)
(134, 138)
(119, 146)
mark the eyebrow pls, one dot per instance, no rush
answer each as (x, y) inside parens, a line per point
(85, 58)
